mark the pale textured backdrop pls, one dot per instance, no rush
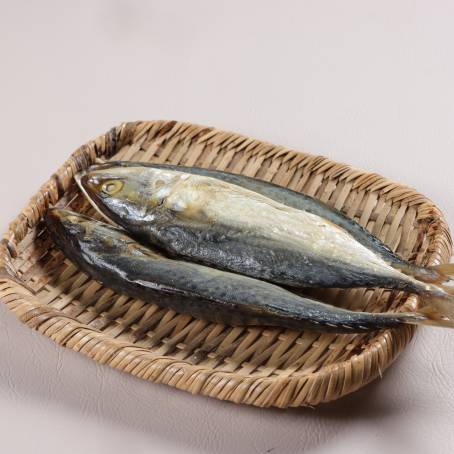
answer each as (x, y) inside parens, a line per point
(364, 82)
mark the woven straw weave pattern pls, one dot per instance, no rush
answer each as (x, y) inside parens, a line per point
(263, 367)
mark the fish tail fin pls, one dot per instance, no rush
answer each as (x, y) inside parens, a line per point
(445, 272)
(449, 290)
(437, 306)
(427, 316)
(431, 274)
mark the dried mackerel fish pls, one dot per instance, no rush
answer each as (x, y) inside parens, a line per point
(117, 261)
(207, 219)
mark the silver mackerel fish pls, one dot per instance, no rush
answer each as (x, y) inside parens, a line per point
(113, 258)
(259, 233)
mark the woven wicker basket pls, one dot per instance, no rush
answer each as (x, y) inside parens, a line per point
(263, 367)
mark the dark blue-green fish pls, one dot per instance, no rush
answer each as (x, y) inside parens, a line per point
(110, 256)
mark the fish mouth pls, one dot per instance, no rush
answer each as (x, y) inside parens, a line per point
(78, 178)
(81, 180)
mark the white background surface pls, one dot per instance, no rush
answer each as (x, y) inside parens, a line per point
(364, 82)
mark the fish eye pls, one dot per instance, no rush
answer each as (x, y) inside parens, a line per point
(112, 186)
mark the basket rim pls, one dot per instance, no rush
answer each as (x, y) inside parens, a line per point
(383, 350)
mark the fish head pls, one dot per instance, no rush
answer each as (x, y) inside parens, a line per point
(127, 194)
(82, 234)
(76, 230)
(65, 223)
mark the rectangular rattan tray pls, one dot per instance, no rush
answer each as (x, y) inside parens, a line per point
(263, 367)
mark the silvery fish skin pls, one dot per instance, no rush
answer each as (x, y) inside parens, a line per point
(302, 202)
(117, 261)
(210, 221)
